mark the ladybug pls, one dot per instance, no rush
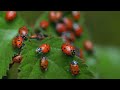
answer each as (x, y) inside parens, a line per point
(34, 36)
(10, 15)
(65, 39)
(44, 48)
(88, 45)
(68, 23)
(68, 49)
(76, 15)
(60, 27)
(17, 42)
(44, 63)
(55, 16)
(74, 68)
(59, 15)
(23, 31)
(44, 24)
(17, 58)
(77, 29)
(69, 36)
(37, 36)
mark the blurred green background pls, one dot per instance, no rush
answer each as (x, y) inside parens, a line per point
(104, 29)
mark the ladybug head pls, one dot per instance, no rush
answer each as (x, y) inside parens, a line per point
(38, 50)
(74, 62)
(44, 58)
(73, 52)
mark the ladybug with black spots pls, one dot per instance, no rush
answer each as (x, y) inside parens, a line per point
(23, 31)
(76, 15)
(10, 15)
(17, 42)
(44, 63)
(74, 68)
(68, 49)
(44, 48)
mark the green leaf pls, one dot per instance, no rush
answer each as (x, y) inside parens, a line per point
(50, 30)
(58, 67)
(7, 32)
(16, 23)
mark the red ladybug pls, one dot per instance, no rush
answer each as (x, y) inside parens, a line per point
(77, 30)
(68, 49)
(23, 31)
(76, 15)
(34, 36)
(44, 24)
(69, 36)
(74, 68)
(59, 15)
(38, 36)
(10, 15)
(17, 42)
(17, 58)
(44, 63)
(60, 27)
(68, 22)
(44, 48)
(88, 45)
(55, 16)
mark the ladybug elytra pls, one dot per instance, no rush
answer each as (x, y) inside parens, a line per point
(17, 42)
(77, 30)
(74, 68)
(88, 45)
(44, 24)
(17, 58)
(60, 27)
(54, 16)
(68, 49)
(68, 23)
(76, 15)
(69, 36)
(10, 15)
(44, 48)
(23, 31)
(44, 63)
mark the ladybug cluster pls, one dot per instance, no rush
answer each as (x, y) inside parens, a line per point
(66, 28)
(18, 43)
(66, 48)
